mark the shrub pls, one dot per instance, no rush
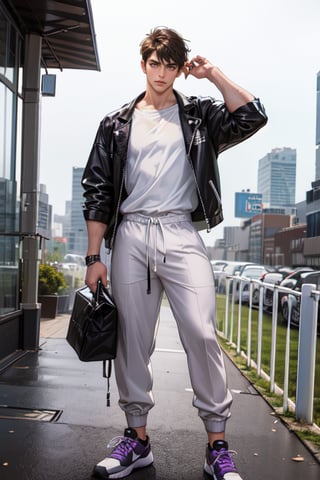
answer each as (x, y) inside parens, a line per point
(51, 281)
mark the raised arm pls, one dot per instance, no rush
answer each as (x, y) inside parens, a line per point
(234, 96)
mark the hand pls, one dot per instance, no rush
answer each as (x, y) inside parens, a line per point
(198, 67)
(96, 271)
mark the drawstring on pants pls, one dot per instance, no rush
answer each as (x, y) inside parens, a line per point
(153, 221)
(157, 222)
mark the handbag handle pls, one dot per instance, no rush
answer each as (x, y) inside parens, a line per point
(99, 290)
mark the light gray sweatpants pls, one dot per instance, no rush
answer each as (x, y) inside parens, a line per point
(178, 265)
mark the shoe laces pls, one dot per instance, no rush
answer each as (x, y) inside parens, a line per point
(121, 446)
(223, 459)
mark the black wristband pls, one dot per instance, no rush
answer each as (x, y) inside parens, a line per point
(91, 259)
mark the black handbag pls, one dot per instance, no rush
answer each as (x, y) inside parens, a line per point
(93, 325)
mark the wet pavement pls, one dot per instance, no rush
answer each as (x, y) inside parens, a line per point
(54, 423)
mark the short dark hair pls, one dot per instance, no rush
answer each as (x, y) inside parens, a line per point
(168, 44)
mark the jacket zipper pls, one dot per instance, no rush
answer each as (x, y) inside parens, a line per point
(215, 191)
(117, 210)
(195, 178)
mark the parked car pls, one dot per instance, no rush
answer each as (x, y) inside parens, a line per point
(218, 264)
(250, 272)
(274, 278)
(304, 277)
(217, 267)
(232, 268)
(290, 280)
(285, 271)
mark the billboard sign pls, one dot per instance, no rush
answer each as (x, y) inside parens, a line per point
(248, 204)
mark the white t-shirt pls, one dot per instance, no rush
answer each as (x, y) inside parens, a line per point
(159, 178)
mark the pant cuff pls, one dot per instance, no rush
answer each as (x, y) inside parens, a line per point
(214, 426)
(136, 420)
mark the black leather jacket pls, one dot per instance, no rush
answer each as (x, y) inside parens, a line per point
(208, 129)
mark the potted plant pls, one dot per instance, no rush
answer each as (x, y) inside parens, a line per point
(51, 284)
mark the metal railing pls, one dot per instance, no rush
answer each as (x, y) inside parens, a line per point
(236, 322)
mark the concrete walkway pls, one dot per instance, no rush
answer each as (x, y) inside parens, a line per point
(54, 384)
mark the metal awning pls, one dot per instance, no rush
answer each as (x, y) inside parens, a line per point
(67, 29)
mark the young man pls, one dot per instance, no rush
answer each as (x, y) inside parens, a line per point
(151, 173)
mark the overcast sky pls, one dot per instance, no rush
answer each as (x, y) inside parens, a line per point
(271, 47)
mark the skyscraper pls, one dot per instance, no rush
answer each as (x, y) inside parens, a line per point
(77, 238)
(277, 178)
(312, 242)
(318, 130)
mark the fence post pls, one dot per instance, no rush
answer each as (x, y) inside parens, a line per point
(239, 319)
(260, 321)
(249, 329)
(306, 355)
(226, 316)
(287, 358)
(275, 301)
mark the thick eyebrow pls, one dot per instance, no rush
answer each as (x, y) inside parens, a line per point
(171, 64)
(152, 60)
(158, 62)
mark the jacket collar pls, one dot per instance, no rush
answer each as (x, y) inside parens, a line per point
(183, 101)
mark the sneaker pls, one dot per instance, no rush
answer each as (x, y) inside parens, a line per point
(219, 463)
(128, 454)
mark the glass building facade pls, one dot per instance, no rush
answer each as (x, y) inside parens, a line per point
(277, 178)
(312, 242)
(10, 156)
(25, 215)
(318, 130)
(77, 237)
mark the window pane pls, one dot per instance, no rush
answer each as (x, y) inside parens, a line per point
(18, 143)
(3, 43)
(9, 274)
(6, 131)
(9, 244)
(11, 56)
(9, 247)
(20, 68)
(2, 128)
(9, 191)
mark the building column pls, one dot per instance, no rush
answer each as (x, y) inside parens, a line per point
(29, 191)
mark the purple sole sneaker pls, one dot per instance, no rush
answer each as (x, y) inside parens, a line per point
(219, 463)
(128, 454)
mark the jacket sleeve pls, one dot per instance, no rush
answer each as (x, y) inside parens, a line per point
(227, 129)
(97, 180)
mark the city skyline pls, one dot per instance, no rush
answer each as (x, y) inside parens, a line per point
(272, 171)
